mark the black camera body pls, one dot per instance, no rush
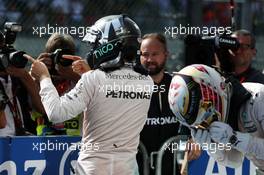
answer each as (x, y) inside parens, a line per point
(202, 50)
(8, 54)
(57, 58)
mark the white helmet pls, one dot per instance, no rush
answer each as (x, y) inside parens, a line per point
(198, 95)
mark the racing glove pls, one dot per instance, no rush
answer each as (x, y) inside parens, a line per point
(201, 136)
(223, 133)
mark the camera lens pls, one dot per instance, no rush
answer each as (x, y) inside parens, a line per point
(59, 59)
(17, 59)
(65, 62)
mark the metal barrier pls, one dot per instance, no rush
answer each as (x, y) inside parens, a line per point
(54, 155)
(162, 150)
(145, 158)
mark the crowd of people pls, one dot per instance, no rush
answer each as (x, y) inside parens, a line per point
(63, 94)
(63, 12)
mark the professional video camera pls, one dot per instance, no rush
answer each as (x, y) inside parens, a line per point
(57, 58)
(202, 50)
(8, 54)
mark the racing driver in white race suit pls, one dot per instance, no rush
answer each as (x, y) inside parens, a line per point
(114, 96)
(200, 98)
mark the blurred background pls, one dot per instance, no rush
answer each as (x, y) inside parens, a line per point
(151, 16)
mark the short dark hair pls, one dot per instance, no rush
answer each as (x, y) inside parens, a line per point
(60, 41)
(161, 38)
(244, 32)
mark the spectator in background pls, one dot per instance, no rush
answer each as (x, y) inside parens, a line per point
(61, 11)
(161, 123)
(63, 79)
(76, 8)
(2, 10)
(242, 58)
(12, 12)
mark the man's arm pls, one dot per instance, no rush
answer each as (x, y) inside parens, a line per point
(69, 105)
(58, 108)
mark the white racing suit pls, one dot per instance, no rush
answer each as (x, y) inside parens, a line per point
(251, 121)
(115, 106)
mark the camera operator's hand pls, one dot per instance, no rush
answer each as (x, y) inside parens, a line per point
(38, 69)
(45, 58)
(80, 67)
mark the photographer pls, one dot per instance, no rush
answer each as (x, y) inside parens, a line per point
(200, 97)
(61, 68)
(242, 58)
(113, 118)
(17, 85)
(63, 78)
